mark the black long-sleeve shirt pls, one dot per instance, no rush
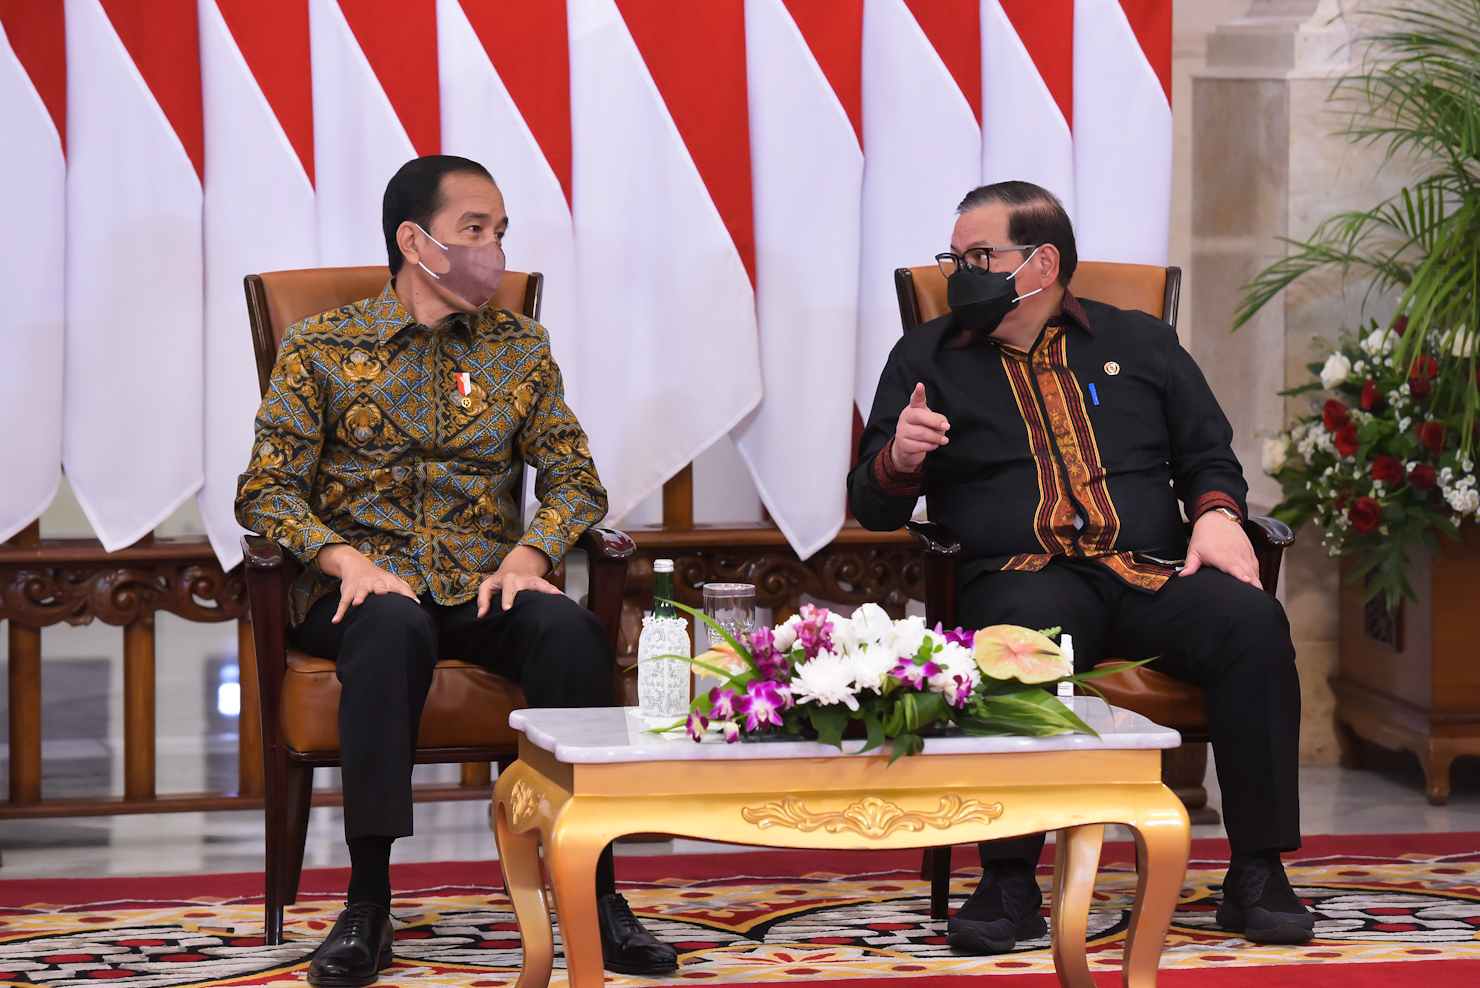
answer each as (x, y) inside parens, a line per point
(1081, 447)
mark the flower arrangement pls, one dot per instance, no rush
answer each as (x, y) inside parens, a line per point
(819, 671)
(1379, 463)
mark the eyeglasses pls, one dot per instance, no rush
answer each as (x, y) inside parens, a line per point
(976, 257)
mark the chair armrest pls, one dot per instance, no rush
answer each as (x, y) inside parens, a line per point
(260, 552)
(1270, 538)
(941, 547)
(608, 552)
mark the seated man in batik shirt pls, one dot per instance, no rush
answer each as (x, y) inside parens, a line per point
(385, 461)
(1057, 437)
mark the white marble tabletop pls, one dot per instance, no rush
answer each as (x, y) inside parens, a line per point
(587, 735)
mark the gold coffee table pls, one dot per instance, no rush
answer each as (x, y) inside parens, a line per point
(586, 776)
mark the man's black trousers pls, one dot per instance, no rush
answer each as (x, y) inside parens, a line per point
(1228, 637)
(385, 650)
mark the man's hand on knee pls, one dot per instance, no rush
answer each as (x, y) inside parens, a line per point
(524, 568)
(1219, 541)
(358, 577)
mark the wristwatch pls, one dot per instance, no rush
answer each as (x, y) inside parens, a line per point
(1230, 514)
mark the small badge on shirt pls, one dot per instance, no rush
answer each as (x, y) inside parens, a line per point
(464, 388)
(1112, 368)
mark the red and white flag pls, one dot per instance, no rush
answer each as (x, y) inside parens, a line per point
(804, 84)
(133, 421)
(1028, 94)
(922, 145)
(259, 215)
(1123, 129)
(375, 107)
(663, 224)
(33, 175)
(506, 105)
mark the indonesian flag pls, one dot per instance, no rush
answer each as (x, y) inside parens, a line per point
(133, 425)
(923, 152)
(1123, 129)
(375, 107)
(1028, 94)
(33, 175)
(506, 105)
(664, 243)
(259, 215)
(803, 68)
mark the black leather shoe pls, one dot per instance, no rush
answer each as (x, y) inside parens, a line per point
(626, 947)
(1259, 903)
(1005, 908)
(356, 950)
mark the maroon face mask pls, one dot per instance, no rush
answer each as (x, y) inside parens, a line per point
(473, 273)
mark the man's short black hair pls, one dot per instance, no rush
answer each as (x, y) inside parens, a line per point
(1035, 216)
(415, 193)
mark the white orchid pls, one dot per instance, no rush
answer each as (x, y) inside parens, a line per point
(785, 635)
(1335, 371)
(825, 679)
(873, 627)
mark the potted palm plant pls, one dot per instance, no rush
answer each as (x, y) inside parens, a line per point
(1384, 462)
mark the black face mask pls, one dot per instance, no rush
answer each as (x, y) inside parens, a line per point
(981, 299)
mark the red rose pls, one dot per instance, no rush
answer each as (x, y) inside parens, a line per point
(1400, 325)
(1431, 434)
(1423, 477)
(1388, 469)
(1364, 514)
(1334, 415)
(1371, 397)
(1346, 439)
(1418, 388)
(1424, 367)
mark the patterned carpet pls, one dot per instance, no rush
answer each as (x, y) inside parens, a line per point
(844, 918)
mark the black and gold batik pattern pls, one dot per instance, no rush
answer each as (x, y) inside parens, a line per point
(364, 438)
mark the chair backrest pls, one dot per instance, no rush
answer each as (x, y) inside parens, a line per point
(278, 299)
(1148, 287)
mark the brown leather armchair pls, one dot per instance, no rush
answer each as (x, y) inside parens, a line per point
(466, 718)
(1167, 701)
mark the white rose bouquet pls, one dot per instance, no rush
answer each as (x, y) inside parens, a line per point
(819, 672)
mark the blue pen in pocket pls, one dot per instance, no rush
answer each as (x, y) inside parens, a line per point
(1094, 395)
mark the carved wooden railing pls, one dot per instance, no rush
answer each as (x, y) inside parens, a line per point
(44, 582)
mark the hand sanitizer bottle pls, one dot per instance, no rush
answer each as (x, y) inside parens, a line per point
(1066, 642)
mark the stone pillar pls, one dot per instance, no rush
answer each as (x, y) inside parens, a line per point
(1266, 164)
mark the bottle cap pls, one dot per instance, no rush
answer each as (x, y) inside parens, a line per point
(662, 566)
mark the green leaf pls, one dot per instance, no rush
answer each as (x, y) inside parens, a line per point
(730, 639)
(906, 744)
(829, 722)
(875, 730)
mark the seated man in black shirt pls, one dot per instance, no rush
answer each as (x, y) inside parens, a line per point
(1056, 436)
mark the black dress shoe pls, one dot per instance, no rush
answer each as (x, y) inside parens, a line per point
(1259, 903)
(1005, 908)
(356, 950)
(626, 947)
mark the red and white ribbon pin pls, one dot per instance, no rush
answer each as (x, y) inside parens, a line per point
(464, 384)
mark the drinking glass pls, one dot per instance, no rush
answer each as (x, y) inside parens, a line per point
(732, 607)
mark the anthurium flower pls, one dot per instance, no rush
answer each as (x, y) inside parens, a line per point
(1006, 651)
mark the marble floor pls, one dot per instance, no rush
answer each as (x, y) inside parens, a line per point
(196, 667)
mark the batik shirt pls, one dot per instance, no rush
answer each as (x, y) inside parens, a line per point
(1081, 446)
(366, 438)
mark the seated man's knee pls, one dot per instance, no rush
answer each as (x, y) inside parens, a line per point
(395, 626)
(566, 627)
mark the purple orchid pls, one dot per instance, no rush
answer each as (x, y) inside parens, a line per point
(814, 634)
(762, 704)
(960, 636)
(770, 663)
(959, 692)
(696, 725)
(915, 676)
(722, 703)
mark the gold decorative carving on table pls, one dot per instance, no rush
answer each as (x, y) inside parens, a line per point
(871, 816)
(522, 803)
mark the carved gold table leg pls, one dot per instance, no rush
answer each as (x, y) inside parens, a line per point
(570, 853)
(1163, 842)
(1076, 860)
(519, 856)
